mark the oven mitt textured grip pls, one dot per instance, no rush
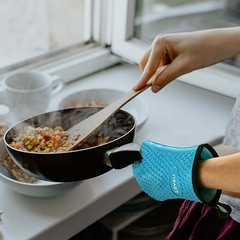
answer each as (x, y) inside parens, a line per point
(167, 172)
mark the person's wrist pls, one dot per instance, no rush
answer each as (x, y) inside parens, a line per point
(206, 174)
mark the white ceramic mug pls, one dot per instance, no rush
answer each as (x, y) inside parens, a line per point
(28, 93)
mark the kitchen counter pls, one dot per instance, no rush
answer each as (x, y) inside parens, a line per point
(179, 115)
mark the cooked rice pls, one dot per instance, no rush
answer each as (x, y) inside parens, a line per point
(43, 140)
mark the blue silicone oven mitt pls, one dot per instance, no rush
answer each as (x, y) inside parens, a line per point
(167, 172)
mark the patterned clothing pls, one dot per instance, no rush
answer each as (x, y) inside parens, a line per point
(197, 221)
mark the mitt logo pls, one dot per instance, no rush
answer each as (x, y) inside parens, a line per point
(174, 182)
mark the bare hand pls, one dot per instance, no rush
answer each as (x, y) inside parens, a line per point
(186, 52)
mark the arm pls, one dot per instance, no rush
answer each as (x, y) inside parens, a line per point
(224, 150)
(186, 52)
(221, 173)
(168, 172)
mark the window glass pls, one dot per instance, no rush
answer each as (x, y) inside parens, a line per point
(153, 17)
(31, 27)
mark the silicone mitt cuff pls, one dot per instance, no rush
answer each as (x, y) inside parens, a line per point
(203, 193)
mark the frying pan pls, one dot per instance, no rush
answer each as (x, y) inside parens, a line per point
(79, 164)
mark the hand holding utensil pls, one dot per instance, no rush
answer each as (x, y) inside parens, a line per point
(85, 128)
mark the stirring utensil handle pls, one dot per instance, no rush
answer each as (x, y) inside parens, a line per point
(85, 128)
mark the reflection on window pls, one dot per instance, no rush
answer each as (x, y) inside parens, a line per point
(31, 27)
(153, 17)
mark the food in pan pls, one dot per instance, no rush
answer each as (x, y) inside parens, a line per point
(52, 140)
(41, 139)
(14, 170)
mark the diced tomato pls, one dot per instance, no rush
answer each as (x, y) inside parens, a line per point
(53, 139)
(47, 137)
(16, 145)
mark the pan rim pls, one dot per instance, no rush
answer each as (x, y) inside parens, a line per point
(133, 128)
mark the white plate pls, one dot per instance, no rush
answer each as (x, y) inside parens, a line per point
(37, 189)
(136, 106)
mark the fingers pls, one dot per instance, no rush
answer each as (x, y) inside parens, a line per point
(147, 68)
(156, 74)
(154, 58)
(145, 58)
(165, 74)
(174, 70)
(153, 61)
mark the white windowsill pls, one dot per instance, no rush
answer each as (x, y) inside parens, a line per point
(72, 65)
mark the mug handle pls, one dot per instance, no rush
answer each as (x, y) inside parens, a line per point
(58, 84)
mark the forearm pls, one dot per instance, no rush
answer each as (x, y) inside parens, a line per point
(221, 173)
(224, 43)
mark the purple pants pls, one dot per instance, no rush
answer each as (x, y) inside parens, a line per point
(196, 221)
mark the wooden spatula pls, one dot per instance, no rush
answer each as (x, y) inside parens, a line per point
(85, 128)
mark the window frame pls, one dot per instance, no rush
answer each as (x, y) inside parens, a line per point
(78, 60)
(220, 78)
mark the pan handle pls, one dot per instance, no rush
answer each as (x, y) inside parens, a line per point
(123, 156)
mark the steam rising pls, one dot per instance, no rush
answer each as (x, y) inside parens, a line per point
(115, 127)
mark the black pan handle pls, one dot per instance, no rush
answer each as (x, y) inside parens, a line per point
(123, 156)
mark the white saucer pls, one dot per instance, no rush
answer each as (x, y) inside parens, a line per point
(38, 188)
